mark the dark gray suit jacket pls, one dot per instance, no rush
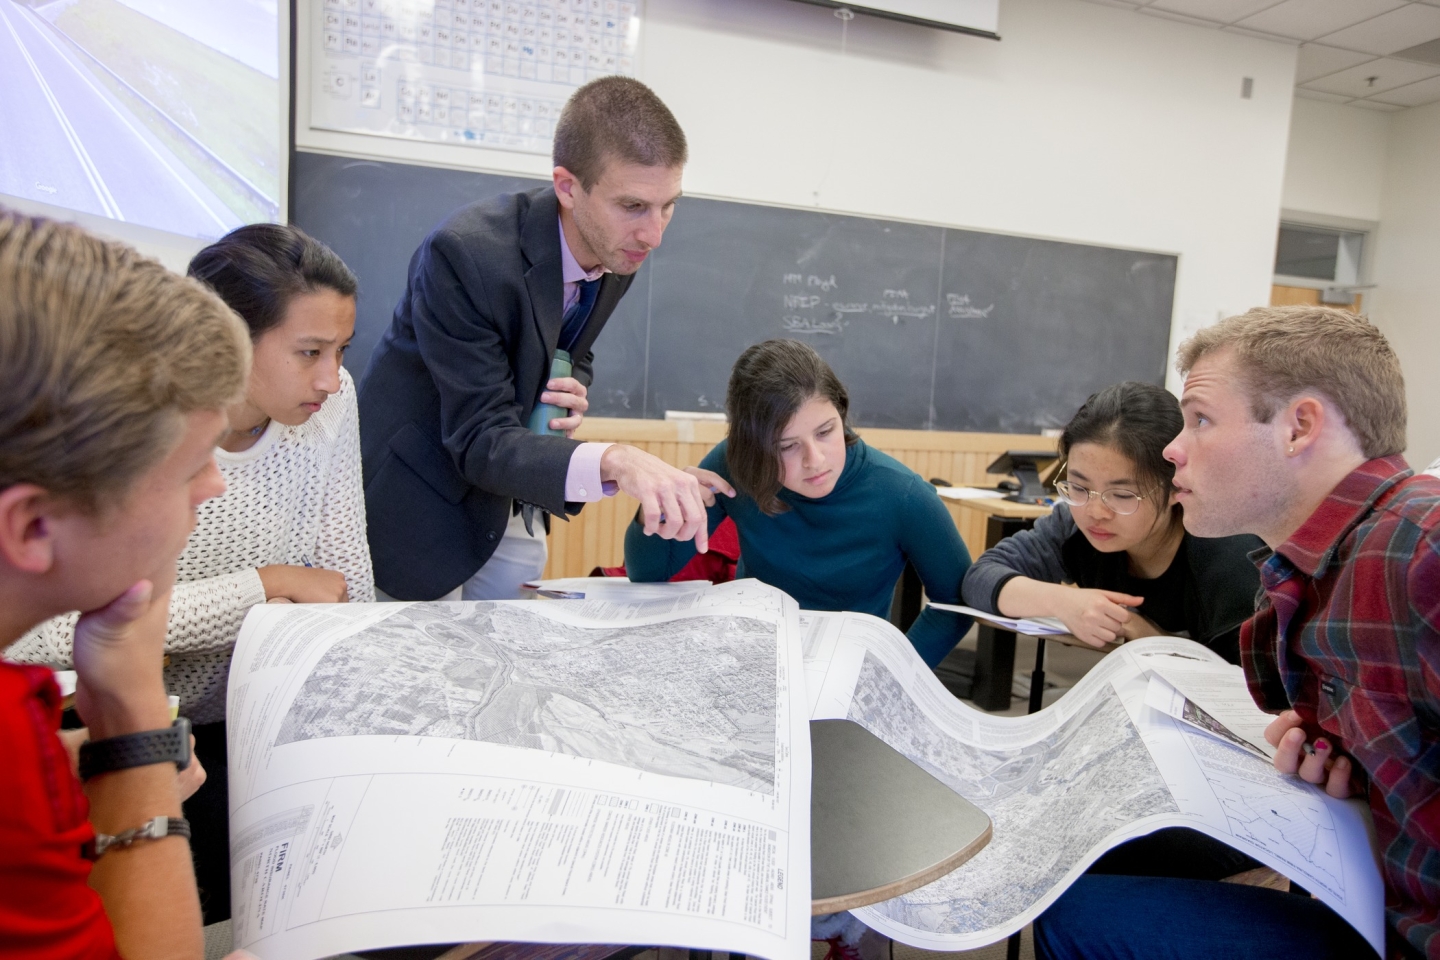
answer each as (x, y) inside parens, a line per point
(445, 400)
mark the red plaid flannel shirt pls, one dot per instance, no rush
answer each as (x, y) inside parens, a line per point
(1349, 636)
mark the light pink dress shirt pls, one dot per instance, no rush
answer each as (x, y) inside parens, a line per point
(582, 479)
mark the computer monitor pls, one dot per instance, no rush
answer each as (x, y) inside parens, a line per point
(1026, 466)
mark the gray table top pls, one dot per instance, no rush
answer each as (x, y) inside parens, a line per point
(880, 826)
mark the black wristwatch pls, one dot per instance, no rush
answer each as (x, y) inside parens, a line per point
(170, 745)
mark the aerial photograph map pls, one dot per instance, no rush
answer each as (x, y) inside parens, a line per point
(635, 695)
(1051, 802)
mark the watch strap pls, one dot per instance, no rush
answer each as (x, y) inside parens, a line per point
(171, 744)
(157, 828)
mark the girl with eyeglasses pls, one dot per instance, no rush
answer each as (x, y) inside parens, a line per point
(1113, 561)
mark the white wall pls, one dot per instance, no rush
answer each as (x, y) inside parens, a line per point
(1407, 300)
(170, 249)
(1085, 123)
(1358, 164)
(1336, 161)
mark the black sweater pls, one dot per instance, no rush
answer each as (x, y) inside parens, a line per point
(1207, 593)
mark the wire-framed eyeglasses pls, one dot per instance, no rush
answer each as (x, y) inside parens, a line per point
(1122, 502)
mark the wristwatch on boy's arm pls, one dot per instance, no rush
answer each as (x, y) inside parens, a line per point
(168, 745)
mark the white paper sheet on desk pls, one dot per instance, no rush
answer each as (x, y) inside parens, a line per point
(1062, 786)
(969, 493)
(452, 772)
(617, 588)
(621, 597)
(1030, 626)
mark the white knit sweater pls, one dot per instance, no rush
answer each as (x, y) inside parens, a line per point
(294, 497)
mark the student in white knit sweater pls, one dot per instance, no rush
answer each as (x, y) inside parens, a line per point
(291, 523)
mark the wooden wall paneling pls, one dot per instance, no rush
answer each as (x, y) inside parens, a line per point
(597, 536)
(971, 524)
(605, 545)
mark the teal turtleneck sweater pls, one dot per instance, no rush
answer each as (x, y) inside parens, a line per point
(842, 551)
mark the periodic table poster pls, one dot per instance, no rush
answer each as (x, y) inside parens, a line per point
(491, 73)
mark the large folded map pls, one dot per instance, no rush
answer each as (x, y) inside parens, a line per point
(633, 766)
(1064, 785)
(555, 771)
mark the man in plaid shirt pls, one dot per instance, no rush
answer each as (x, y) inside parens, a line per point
(1294, 424)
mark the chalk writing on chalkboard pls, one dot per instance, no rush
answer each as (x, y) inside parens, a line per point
(896, 304)
(797, 324)
(961, 308)
(825, 284)
(815, 313)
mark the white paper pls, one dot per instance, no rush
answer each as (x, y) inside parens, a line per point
(1159, 695)
(1066, 784)
(1222, 690)
(1030, 626)
(615, 588)
(969, 493)
(453, 772)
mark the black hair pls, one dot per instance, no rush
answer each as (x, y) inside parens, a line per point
(1137, 419)
(768, 384)
(259, 268)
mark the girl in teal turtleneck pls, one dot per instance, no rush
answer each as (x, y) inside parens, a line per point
(820, 515)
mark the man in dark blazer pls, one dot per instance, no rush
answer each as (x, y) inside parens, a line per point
(493, 292)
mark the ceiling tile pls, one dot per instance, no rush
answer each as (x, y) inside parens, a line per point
(1308, 19)
(1321, 95)
(1391, 31)
(1317, 61)
(1218, 11)
(1376, 105)
(1413, 94)
(1182, 18)
(1428, 52)
(1260, 34)
(1388, 74)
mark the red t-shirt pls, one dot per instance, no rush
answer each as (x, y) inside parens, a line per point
(47, 909)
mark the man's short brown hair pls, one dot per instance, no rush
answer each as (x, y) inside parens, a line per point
(1283, 352)
(102, 352)
(616, 118)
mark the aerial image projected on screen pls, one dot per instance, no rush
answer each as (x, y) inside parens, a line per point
(164, 113)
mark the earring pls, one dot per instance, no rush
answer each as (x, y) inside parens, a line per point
(1292, 449)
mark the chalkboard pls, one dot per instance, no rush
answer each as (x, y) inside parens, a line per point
(929, 327)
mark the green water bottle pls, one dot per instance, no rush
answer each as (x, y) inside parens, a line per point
(543, 413)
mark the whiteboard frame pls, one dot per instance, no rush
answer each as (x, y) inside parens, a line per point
(402, 150)
(285, 19)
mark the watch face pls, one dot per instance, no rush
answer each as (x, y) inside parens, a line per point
(182, 725)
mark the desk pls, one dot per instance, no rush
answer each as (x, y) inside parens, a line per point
(995, 653)
(993, 507)
(880, 826)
